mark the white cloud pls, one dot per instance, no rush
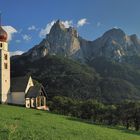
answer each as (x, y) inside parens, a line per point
(116, 27)
(46, 30)
(67, 23)
(18, 41)
(16, 53)
(82, 22)
(26, 37)
(32, 28)
(10, 31)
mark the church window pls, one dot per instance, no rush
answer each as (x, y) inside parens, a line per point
(5, 56)
(5, 66)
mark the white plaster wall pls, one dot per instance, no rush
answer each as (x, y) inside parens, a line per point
(4, 46)
(4, 73)
(18, 98)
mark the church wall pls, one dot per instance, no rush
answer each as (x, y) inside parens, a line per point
(4, 74)
(4, 46)
(18, 98)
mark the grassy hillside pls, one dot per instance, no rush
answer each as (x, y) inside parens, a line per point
(17, 123)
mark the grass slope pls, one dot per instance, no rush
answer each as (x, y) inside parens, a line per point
(17, 123)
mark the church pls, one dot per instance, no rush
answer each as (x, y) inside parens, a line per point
(18, 90)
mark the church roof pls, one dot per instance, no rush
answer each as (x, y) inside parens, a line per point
(19, 84)
(35, 91)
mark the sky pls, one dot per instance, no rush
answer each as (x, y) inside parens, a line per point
(28, 21)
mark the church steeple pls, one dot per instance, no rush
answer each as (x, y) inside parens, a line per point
(4, 66)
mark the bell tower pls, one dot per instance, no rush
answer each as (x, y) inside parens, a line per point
(4, 66)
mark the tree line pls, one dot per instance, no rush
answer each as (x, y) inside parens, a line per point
(126, 114)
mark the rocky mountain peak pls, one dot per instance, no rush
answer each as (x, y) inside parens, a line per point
(59, 28)
(134, 37)
(114, 44)
(115, 33)
(38, 51)
(58, 25)
(63, 41)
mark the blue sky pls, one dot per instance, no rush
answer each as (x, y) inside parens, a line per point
(29, 17)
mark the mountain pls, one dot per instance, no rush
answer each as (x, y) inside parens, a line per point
(60, 41)
(63, 41)
(115, 44)
(109, 70)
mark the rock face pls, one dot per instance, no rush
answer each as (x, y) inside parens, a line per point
(63, 41)
(114, 44)
(60, 41)
(38, 51)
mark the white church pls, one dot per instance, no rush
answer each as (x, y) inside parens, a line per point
(17, 90)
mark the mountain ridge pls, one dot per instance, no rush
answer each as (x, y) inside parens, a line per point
(114, 44)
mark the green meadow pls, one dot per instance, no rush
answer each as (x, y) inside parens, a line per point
(18, 123)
